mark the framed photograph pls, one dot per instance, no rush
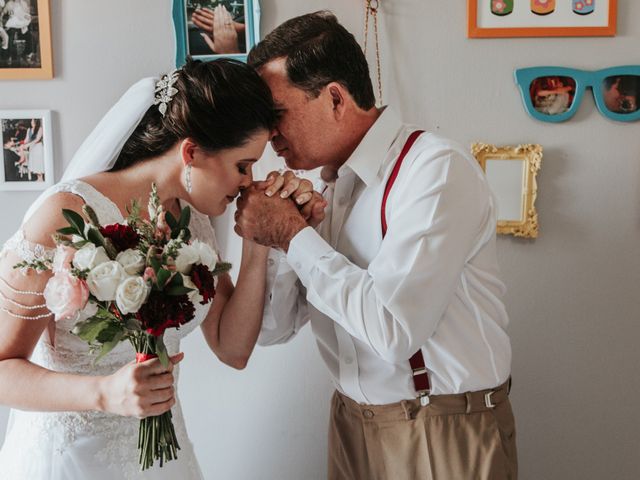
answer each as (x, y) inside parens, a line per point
(26, 150)
(25, 40)
(541, 18)
(209, 29)
(511, 172)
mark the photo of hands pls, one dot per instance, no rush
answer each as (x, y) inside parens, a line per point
(216, 27)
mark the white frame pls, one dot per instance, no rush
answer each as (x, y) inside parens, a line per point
(47, 141)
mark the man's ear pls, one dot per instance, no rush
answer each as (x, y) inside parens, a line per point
(188, 151)
(338, 97)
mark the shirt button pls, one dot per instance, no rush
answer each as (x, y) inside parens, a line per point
(368, 414)
(348, 360)
(298, 265)
(270, 262)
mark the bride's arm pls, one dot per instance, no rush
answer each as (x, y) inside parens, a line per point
(233, 323)
(134, 390)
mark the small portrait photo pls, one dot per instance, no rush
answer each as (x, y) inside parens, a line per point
(207, 29)
(25, 43)
(26, 150)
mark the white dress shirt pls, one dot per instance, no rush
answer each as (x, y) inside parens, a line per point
(431, 284)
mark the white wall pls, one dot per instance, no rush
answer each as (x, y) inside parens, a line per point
(573, 293)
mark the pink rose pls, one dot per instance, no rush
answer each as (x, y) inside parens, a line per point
(63, 258)
(149, 274)
(65, 295)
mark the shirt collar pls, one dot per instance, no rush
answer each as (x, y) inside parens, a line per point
(368, 157)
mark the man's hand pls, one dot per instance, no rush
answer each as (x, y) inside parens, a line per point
(269, 221)
(310, 203)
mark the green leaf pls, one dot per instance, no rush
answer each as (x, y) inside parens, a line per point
(220, 268)
(185, 218)
(171, 220)
(162, 276)
(175, 291)
(161, 351)
(74, 219)
(89, 329)
(108, 346)
(176, 281)
(109, 332)
(68, 231)
(95, 237)
(155, 263)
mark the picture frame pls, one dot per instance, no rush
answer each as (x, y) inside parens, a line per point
(190, 37)
(512, 175)
(25, 40)
(541, 18)
(27, 150)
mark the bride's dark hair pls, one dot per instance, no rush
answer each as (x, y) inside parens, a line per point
(219, 104)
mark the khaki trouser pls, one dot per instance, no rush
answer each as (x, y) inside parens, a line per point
(455, 437)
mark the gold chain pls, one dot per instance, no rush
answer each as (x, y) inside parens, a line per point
(371, 8)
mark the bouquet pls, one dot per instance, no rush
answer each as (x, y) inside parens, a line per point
(132, 281)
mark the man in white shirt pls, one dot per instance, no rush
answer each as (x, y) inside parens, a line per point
(399, 282)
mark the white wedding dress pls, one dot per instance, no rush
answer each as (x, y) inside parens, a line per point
(91, 445)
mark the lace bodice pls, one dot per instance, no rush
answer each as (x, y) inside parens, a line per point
(70, 354)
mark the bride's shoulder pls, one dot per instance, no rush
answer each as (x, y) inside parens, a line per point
(47, 217)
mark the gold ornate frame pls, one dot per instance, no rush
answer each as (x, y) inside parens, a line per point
(527, 226)
(46, 66)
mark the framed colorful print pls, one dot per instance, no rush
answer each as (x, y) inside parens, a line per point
(209, 29)
(541, 18)
(511, 172)
(25, 40)
(26, 150)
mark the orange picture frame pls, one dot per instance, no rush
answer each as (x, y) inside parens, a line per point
(537, 26)
(45, 70)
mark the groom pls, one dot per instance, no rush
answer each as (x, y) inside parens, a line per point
(399, 282)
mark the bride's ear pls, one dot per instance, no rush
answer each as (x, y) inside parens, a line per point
(188, 151)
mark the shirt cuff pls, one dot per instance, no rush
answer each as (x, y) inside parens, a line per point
(305, 250)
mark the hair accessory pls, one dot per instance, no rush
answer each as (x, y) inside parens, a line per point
(165, 91)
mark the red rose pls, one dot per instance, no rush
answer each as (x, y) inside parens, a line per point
(122, 236)
(202, 278)
(162, 311)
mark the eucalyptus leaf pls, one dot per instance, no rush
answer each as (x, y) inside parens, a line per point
(68, 231)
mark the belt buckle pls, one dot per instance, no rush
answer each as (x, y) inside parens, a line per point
(487, 399)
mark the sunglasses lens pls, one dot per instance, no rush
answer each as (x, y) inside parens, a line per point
(552, 95)
(621, 93)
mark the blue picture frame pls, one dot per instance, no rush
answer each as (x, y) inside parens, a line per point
(583, 80)
(182, 26)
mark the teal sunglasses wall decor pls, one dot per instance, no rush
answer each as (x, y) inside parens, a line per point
(554, 94)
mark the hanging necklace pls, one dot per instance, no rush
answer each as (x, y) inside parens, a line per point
(371, 8)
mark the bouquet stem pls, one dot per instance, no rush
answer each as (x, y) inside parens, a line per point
(156, 436)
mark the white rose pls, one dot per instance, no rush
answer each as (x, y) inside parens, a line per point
(187, 256)
(131, 260)
(131, 294)
(194, 294)
(89, 257)
(103, 280)
(207, 256)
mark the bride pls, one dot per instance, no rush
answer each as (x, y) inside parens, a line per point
(196, 134)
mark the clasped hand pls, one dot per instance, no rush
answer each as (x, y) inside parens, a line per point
(273, 211)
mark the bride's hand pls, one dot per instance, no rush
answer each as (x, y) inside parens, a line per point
(310, 203)
(140, 389)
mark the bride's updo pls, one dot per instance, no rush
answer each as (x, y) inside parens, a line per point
(219, 104)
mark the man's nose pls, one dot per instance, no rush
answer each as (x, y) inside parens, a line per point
(274, 133)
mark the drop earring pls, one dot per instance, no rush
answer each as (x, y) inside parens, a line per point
(187, 178)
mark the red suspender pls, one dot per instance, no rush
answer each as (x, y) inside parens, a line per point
(420, 376)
